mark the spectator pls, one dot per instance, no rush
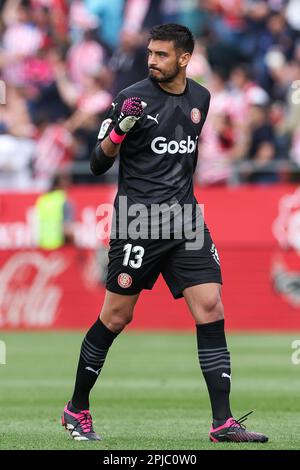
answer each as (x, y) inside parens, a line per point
(54, 152)
(110, 16)
(129, 61)
(198, 68)
(262, 145)
(16, 157)
(84, 57)
(14, 114)
(22, 39)
(244, 92)
(222, 140)
(277, 34)
(55, 215)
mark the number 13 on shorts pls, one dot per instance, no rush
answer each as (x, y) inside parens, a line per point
(136, 252)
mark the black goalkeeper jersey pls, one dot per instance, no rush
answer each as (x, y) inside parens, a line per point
(159, 155)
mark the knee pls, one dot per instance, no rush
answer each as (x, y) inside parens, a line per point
(117, 318)
(212, 307)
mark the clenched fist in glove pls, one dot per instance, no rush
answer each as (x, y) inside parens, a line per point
(131, 112)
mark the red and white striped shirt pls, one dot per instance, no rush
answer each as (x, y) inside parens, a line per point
(53, 152)
(83, 58)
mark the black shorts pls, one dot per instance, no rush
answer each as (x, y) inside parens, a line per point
(135, 265)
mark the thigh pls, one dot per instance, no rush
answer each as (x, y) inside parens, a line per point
(185, 268)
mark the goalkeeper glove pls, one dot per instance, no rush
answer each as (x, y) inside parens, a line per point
(131, 112)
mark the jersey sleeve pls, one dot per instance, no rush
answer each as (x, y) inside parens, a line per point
(204, 116)
(206, 107)
(99, 162)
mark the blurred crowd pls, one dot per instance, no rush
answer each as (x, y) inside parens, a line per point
(62, 62)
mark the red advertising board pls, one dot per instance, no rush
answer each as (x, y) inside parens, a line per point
(256, 230)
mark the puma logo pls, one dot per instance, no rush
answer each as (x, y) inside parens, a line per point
(93, 370)
(153, 118)
(226, 376)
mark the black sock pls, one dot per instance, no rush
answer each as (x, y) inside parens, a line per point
(214, 359)
(92, 356)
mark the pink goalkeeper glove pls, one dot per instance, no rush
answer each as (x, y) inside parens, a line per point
(131, 111)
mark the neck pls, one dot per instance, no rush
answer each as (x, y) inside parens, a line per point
(176, 86)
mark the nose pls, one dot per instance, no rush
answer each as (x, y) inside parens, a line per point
(151, 62)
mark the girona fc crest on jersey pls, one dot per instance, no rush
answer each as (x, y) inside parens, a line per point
(195, 115)
(124, 280)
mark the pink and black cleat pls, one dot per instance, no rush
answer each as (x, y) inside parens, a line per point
(79, 425)
(234, 431)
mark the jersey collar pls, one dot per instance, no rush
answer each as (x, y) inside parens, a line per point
(167, 92)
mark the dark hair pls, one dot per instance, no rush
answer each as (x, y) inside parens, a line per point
(181, 35)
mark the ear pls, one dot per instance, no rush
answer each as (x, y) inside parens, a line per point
(184, 59)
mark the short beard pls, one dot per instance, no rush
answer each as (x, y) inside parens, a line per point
(167, 78)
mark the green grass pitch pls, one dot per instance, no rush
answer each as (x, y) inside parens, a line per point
(150, 395)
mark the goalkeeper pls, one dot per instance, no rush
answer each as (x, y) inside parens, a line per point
(154, 125)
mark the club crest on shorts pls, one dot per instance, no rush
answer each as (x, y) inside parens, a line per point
(124, 280)
(195, 115)
(215, 253)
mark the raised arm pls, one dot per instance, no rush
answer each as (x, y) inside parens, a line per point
(121, 118)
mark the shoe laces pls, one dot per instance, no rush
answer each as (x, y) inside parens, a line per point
(85, 421)
(238, 422)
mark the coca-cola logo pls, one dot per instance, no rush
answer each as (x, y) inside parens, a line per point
(286, 227)
(27, 296)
